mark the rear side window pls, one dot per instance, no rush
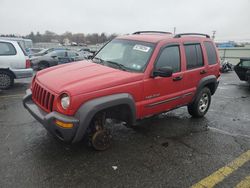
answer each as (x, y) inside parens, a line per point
(170, 56)
(72, 54)
(194, 56)
(59, 53)
(245, 64)
(7, 49)
(22, 49)
(211, 53)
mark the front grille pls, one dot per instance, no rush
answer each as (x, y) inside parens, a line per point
(42, 97)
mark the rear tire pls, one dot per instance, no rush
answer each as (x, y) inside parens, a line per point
(201, 103)
(6, 80)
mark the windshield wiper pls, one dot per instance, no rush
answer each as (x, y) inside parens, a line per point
(100, 61)
(120, 66)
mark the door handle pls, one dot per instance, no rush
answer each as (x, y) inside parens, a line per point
(178, 78)
(203, 72)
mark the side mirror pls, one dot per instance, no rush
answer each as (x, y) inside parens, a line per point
(163, 72)
(54, 56)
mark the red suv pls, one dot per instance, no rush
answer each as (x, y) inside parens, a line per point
(132, 77)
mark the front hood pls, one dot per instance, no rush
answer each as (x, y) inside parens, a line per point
(84, 77)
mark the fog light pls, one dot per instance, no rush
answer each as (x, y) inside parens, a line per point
(64, 125)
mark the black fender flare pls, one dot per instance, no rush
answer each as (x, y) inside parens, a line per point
(211, 79)
(87, 110)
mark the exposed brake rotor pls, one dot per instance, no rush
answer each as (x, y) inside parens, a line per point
(101, 140)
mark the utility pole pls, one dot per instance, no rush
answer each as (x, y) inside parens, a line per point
(213, 36)
(174, 30)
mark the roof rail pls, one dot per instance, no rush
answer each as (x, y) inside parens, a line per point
(160, 32)
(182, 34)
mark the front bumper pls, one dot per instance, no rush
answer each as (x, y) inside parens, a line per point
(48, 119)
(23, 73)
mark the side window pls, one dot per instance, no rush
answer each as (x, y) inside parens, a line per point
(194, 56)
(22, 49)
(245, 64)
(70, 54)
(170, 56)
(7, 49)
(211, 53)
(61, 53)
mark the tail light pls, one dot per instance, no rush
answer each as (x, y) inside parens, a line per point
(28, 63)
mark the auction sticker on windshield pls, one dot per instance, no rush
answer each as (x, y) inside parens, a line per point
(141, 48)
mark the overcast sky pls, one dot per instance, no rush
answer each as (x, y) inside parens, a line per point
(230, 18)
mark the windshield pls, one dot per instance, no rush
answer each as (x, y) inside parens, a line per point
(125, 54)
(42, 51)
(59, 53)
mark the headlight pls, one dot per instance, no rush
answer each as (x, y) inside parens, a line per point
(65, 101)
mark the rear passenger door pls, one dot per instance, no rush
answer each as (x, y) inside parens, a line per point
(195, 68)
(62, 57)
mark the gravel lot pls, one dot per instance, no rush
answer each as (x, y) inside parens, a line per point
(171, 150)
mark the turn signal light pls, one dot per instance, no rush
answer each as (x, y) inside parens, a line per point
(63, 124)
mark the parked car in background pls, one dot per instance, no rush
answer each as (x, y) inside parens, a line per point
(86, 52)
(242, 69)
(54, 58)
(48, 50)
(25, 43)
(84, 49)
(35, 50)
(14, 63)
(31, 51)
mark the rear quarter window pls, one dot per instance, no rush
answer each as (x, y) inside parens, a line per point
(22, 49)
(211, 53)
(7, 49)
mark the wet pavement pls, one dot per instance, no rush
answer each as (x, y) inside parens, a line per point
(171, 150)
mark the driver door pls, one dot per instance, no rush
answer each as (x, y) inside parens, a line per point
(164, 93)
(241, 69)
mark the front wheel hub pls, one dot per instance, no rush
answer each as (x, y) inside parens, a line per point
(203, 103)
(101, 140)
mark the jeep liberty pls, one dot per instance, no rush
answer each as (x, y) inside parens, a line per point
(131, 78)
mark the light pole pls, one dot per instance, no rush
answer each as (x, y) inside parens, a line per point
(174, 30)
(213, 36)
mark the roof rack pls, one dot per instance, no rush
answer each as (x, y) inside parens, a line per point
(182, 34)
(160, 32)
